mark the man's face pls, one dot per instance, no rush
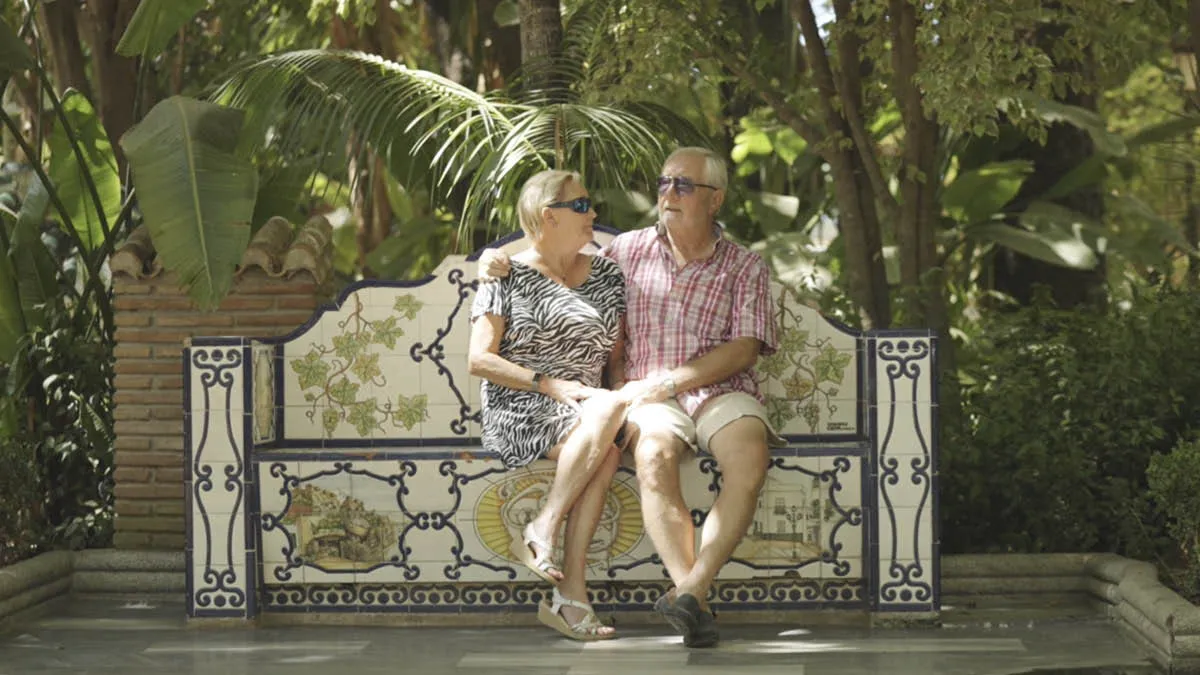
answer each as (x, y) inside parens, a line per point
(679, 205)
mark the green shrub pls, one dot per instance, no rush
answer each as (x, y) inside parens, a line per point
(1061, 414)
(22, 525)
(56, 438)
(1175, 488)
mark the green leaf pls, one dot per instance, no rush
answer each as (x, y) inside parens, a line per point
(280, 194)
(750, 142)
(154, 23)
(12, 317)
(387, 332)
(1089, 172)
(36, 270)
(1165, 131)
(1056, 247)
(1161, 230)
(197, 196)
(793, 340)
(773, 365)
(776, 212)
(99, 162)
(1088, 120)
(14, 55)
(779, 411)
(830, 365)
(408, 305)
(344, 392)
(312, 370)
(348, 346)
(799, 386)
(507, 14)
(411, 411)
(367, 367)
(978, 194)
(362, 416)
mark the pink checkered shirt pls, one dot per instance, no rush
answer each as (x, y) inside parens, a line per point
(677, 314)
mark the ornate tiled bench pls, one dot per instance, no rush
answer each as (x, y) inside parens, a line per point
(338, 469)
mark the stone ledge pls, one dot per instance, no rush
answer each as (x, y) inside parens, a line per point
(1126, 591)
(33, 587)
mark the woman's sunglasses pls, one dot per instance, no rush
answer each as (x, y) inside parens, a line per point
(579, 205)
(684, 186)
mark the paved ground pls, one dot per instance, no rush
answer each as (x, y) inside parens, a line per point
(120, 636)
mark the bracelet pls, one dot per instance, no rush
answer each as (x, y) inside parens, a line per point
(536, 384)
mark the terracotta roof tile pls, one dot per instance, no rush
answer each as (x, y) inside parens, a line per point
(277, 249)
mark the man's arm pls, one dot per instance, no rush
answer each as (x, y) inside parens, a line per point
(718, 365)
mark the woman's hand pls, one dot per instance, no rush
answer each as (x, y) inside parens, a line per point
(568, 392)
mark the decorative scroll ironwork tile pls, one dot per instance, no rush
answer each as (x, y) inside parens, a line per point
(216, 485)
(904, 371)
(780, 594)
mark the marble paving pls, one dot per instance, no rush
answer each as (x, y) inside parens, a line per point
(112, 636)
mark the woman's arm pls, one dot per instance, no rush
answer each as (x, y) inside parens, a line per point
(485, 361)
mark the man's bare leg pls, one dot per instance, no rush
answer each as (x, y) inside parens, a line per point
(742, 455)
(664, 513)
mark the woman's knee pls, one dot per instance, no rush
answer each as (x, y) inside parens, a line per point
(604, 410)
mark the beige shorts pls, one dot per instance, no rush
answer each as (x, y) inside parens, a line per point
(670, 417)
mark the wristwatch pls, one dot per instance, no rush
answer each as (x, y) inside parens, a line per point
(669, 383)
(536, 384)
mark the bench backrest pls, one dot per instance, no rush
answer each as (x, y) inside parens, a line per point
(386, 365)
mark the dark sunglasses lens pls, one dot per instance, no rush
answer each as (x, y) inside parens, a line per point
(683, 186)
(581, 205)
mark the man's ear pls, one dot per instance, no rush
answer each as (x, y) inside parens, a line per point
(718, 200)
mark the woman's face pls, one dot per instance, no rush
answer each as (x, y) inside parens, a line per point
(569, 220)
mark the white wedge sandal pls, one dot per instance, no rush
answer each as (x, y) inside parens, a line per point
(587, 630)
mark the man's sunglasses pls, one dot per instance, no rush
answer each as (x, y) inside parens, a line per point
(579, 205)
(684, 186)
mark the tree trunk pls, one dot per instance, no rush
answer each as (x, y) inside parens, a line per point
(115, 75)
(372, 210)
(541, 40)
(452, 61)
(61, 29)
(1066, 147)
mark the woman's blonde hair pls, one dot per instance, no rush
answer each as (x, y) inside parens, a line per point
(545, 187)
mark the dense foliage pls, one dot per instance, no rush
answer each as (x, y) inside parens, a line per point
(1062, 414)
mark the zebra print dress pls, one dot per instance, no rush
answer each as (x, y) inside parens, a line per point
(565, 333)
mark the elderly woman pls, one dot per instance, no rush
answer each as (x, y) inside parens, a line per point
(542, 339)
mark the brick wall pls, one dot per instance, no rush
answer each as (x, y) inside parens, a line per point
(153, 318)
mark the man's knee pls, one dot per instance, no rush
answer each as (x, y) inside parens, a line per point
(742, 453)
(657, 457)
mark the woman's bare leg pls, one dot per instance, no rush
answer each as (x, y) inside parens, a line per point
(581, 530)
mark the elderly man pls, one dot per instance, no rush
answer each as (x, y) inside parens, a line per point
(699, 314)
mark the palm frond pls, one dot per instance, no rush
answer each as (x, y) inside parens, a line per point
(473, 151)
(399, 112)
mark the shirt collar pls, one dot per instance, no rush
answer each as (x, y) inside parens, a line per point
(718, 230)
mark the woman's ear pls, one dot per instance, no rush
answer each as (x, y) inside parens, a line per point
(548, 216)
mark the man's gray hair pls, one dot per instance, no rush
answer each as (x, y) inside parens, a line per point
(543, 188)
(716, 172)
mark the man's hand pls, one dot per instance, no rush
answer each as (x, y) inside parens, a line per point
(568, 392)
(649, 390)
(493, 265)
